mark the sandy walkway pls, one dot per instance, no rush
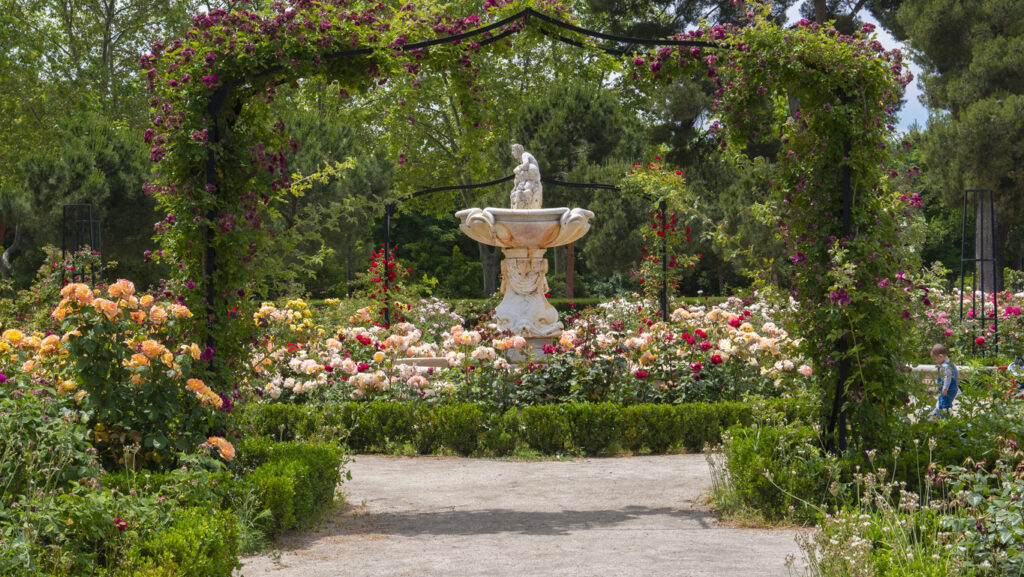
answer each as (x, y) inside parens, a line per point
(458, 517)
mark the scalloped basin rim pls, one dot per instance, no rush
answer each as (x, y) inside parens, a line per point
(521, 215)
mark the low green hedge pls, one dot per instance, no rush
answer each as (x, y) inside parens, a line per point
(574, 428)
(285, 422)
(292, 479)
(198, 541)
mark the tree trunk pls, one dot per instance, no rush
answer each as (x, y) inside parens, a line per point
(5, 259)
(570, 270)
(820, 11)
(490, 260)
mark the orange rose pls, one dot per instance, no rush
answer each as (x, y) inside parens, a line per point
(138, 360)
(224, 448)
(139, 317)
(180, 311)
(63, 308)
(195, 385)
(121, 289)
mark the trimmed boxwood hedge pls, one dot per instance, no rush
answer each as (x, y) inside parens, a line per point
(292, 479)
(570, 428)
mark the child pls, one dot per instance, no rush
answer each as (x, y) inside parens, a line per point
(947, 378)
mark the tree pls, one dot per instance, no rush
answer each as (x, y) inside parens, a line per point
(69, 70)
(972, 61)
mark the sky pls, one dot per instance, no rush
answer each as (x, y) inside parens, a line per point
(912, 111)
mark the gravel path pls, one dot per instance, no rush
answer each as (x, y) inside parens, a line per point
(452, 517)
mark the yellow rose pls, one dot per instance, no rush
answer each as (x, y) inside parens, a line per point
(49, 345)
(13, 336)
(146, 301)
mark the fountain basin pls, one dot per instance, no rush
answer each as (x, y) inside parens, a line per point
(531, 228)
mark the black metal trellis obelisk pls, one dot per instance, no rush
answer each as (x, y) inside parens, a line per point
(78, 231)
(982, 266)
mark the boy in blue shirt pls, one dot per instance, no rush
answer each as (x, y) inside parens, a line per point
(947, 378)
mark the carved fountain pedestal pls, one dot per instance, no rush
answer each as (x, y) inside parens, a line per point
(524, 236)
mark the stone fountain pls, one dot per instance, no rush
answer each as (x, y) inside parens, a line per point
(524, 232)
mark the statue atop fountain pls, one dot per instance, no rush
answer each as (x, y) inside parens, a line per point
(527, 190)
(524, 233)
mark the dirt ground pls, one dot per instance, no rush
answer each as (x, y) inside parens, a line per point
(426, 516)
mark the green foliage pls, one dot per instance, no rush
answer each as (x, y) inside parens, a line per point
(196, 541)
(43, 445)
(457, 427)
(969, 55)
(544, 429)
(990, 528)
(287, 422)
(549, 429)
(592, 428)
(377, 426)
(780, 470)
(292, 479)
(501, 434)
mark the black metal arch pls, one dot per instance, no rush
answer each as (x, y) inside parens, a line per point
(220, 97)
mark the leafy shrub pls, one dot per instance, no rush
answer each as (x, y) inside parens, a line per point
(779, 469)
(543, 429)
(589, 428)
(292, 479)
(184, 486)
(197, 541)
(377, 426)
(500, 433)
(650, 428)
(457, 427)
(43, 446)
(592, 428)
(288, 422)
(133, 382)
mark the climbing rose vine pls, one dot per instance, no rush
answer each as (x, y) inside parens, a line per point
(828, 100)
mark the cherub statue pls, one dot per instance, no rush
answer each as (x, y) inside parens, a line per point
(527, 190)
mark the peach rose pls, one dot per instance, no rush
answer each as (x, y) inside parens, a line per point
(158, 315)
(121, 289)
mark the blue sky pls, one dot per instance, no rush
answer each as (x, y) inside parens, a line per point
(912, 111)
